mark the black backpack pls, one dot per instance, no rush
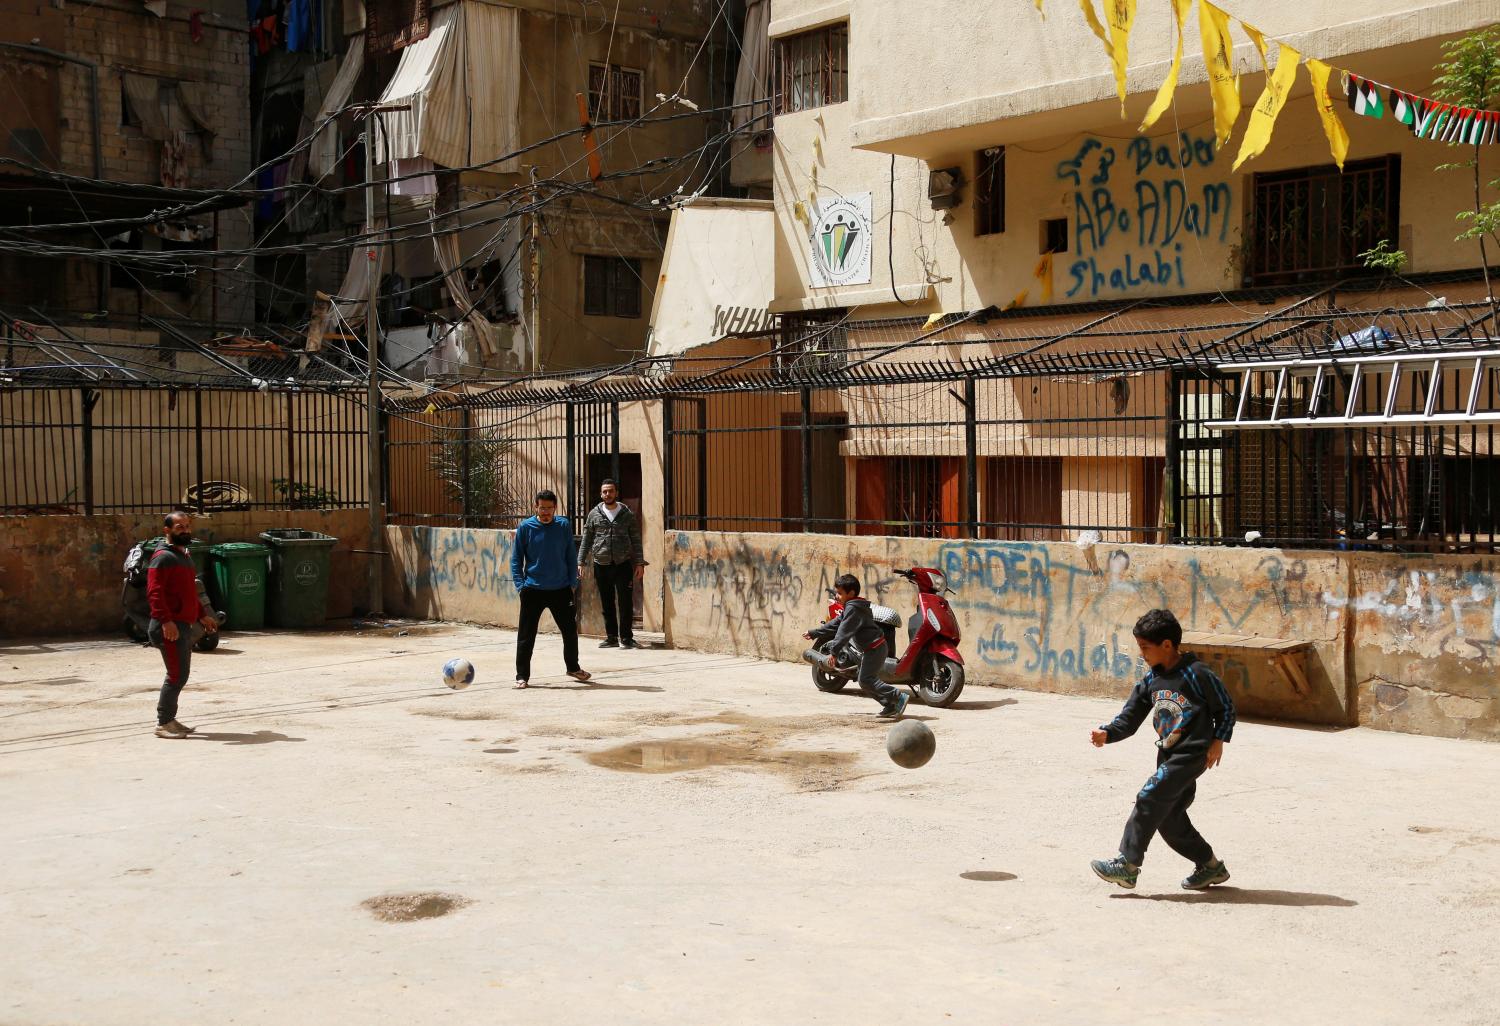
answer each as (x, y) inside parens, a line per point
(137, 562)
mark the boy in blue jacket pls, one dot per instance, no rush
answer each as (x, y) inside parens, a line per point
(544, 566)
(1193, 716)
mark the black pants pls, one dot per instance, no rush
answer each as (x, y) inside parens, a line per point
(177, 656)
(870, 665)
(615, 582)
(1161, 808)
(558, 601)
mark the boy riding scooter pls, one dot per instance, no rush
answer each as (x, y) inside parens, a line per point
(856, 625)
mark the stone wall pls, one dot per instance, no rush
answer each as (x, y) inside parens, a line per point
(62, 574)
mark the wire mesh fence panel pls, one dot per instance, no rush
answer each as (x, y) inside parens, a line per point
(118, 450)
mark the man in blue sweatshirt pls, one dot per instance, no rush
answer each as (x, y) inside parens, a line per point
(544, 565)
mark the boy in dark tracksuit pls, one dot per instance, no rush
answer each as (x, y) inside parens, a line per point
(1194, 717)
(857, 624)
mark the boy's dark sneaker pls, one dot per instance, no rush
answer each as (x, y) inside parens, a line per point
(893, 709)
(1116, 871)
(1206, 875)
(609, 643)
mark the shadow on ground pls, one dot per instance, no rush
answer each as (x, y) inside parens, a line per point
(260, 737)
(1237, 896)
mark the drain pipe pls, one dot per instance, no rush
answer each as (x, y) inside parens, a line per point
(103, 270)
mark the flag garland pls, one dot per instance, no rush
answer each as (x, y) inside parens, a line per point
(1425, 118)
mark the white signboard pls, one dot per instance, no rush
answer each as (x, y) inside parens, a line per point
(840, 242)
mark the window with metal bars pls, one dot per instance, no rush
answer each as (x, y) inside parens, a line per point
(614, 92)
(611, 286)
(811, 69)
(1313, 222)
(989, 191)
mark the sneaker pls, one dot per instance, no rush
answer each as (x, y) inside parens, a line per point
(1116, 871)
(172, 731)
(182, 727)
(522, 682)
(609, 643)
(630, 643)
(1206, 875)
(896, 707)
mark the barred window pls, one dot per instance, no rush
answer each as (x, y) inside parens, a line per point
(614, 92)
(989, 191)
(611, 286)
(1313, 222)
(812, 69)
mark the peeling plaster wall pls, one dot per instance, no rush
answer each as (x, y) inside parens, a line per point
(62, 574)
(1428, 643)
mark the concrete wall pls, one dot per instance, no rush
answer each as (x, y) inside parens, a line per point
(1415, 649)
(61, 575)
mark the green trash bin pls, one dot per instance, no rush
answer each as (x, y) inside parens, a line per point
(299, 576)
(239, 583)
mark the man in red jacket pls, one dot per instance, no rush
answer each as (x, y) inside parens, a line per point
(172, 591)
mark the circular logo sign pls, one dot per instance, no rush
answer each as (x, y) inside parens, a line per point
(841, 242)
(247, 582)
(305, 573)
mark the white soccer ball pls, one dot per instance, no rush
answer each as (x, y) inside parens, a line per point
(458, 673)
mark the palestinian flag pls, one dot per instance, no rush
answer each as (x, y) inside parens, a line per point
(1431, 116)
(1404, 108)
(1364, 98)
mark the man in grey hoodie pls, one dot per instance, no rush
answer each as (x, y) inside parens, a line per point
(612, 540)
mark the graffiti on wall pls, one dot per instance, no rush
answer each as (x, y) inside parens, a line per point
(1136, 209)
(1432, 610)
(458, 561)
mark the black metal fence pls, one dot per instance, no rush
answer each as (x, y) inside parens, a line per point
(475, 466)
(136, 450)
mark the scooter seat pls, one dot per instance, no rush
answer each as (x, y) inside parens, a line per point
(885, 616)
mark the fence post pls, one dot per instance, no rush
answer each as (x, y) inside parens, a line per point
(1172, 501)
(291, 450)
(572, 464)
(669, 467)
(89, 399)
(971, 455)
(198, 446)
(464, 457)
(702, 407)
(806, 458)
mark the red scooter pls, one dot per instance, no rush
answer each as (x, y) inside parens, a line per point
(931, 665)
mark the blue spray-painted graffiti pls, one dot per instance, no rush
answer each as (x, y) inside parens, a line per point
(460, 560)
(1129, 226)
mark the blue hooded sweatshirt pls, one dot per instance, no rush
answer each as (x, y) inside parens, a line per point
(545, 555)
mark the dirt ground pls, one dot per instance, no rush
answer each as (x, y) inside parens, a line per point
(694, 839)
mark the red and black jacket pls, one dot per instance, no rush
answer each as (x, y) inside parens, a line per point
(172, 586)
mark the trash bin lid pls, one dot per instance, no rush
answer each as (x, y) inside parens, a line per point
(240, 549)
(294, 536)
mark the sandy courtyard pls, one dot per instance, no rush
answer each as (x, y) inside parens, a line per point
(694, 839)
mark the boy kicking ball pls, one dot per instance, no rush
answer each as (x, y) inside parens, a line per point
(1193, 716)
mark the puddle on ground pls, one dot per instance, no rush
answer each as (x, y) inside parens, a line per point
(987, 876)
(408, 908)
(701, 753)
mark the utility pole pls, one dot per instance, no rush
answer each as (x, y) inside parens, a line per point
(536, 278)
(376, 584)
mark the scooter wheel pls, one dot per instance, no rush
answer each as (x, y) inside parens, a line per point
(939, 681)
(828, 683)
(208, 642)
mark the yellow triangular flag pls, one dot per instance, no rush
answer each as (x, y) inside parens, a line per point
(1169, 84)
(1039, 9)
(933, 319)
(431, 408)
(1338, 139)
(1259, 39)
(1121, 15)
(1218, 51)
(1272, 99)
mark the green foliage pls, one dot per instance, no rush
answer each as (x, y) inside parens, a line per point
(1383, 258)
(1469, 76)
(485, 460)
(300, 495)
